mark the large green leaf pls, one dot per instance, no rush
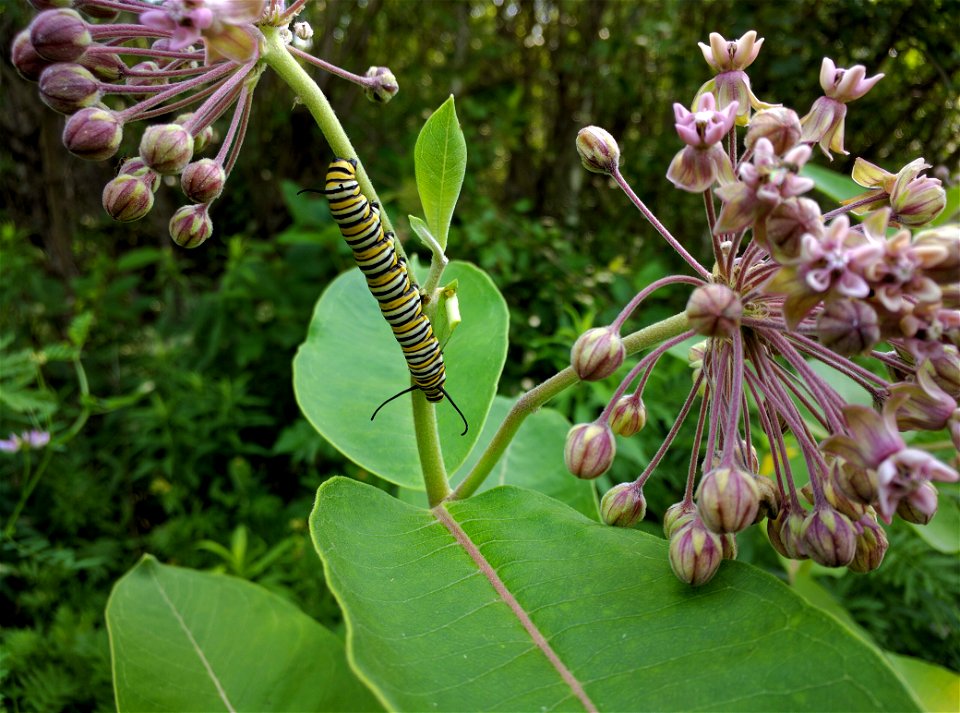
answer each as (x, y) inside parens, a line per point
(183, 640)
(512, 601)
(350, 363)
(440, 162)
(937, 688)
(834, 185)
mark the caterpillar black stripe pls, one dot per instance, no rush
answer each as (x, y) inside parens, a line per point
(388, 281)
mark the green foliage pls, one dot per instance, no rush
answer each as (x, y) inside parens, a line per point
(440, 162)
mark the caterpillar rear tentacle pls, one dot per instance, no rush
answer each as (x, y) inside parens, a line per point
(388, 281)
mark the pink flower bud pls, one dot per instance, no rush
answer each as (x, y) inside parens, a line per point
(93, 134)
(629, 415)
(202, 181)
(105, 67)
(597, 353)
(714, 311)
(848, 326)
(127, 198)
(785, 533)
(829, 538)
(871, 547)
(695, 553)
(383, 85)
(25, 58)
(788, 222)
(166, 148)
(202, 139)
(623, 505)
(144, 81)
(728, 500)
(780, 126)
(768, 499)
(136, 167)
(599, 152)
(916, 200)
(862, 485)
(67, 88)
(920, 506)
(589, 450)
(677, 516)
(60, 35)
(190, 226)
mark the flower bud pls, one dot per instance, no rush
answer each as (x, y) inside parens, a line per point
(598, 150)
(202, 181)
(695, 553)
(127, 198)
(829, 538)
(862, 485)
(629, 415)
(105, 67)
(788, 222)
(589, 450)
(714, 310)
(383, 85)
(136, 167)
(597, 353)
(203, 137)
(848, 327)
(784, 532)
(67, 88)
(623, 505)
(137, 80)
(728, 500)
(780, 126)
(768, 499)
(93, 134)
(190, 226)
(696, 353)
(25, 58)
(728, 546)
(871, 547)
(920, 506)
(677, 516)
(916, 200)
(166, 148)
(59, 35)
(939, 249)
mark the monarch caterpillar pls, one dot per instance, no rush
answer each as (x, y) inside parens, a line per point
(388, 281)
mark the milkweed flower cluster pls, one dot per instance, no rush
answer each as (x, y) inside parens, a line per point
(787, 285)
(27, 440)
(186, 63)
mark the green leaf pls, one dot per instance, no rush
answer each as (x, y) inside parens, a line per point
(79, 328)
(832, 184)
(937, 688)
(350, 363)
(440, 161)
(512, 601)
(423, 232)
(191, 641)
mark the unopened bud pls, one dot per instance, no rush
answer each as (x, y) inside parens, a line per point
(67, 88)
(25, 58)
(597, 353)
(862, 485)
(93, 134)
(166, 148)
(127, 198)
(696, 353)
(919, 506)
(105, 67)
(916, 200)
(768, 500)
(829, 538)
(598, 150)
(589, 450)
(629, 415)
(788, 222)
(190, 226)
(677, 516)
(303, 31)
(728, 500)
(623, 505)
(785, 531)
(780, 126)
(848, 327)
(146, 76)
(695, 553)
(871, 547)
(939, 250)
(202, 181)
(202, 139)
(60, 35)
(382, 85)
(136, 167)
(714, 310)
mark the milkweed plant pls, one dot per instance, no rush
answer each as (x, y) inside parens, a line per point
(865, 288)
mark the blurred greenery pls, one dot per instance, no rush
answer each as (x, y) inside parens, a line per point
(194, 449)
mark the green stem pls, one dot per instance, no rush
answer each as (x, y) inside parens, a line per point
(278, 58)
(539, 395)
(428, 446)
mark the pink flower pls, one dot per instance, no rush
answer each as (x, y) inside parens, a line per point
(729, 59)
(703, 160)
(27, 440)
(824, 123)
(225, 26)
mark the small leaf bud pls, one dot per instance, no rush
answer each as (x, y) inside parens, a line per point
(59, 35)
(127, 198)
(623, 505)
(190, 226)
(714, 310)
(728, 500)
(920, 506)
(728, 542)
(93, 134)
(695, 553)
(202, 181)
(829, 537)
(25, 58)
(589, 450)
(166, 148)
(871, 547)
(597, 353)
(677, 516)
(629, 415)
(67, 88)
(848, 327)
(598, 150)
(383, 85)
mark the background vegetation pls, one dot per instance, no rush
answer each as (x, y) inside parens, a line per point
(194, 449)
